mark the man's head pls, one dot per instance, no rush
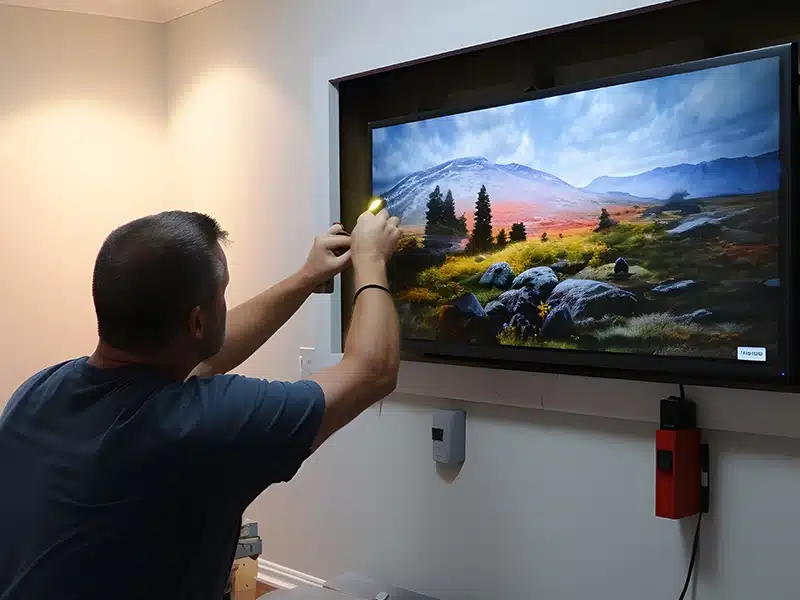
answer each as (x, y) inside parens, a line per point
(159, 286)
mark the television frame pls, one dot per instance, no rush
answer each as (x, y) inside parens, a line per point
(708, 371)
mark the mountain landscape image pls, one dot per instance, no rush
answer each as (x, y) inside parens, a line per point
(639, 218)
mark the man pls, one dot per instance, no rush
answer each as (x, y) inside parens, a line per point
(103, 456)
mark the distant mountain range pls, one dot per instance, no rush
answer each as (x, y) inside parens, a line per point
(465, 176)
(720, 177)
(521, 184)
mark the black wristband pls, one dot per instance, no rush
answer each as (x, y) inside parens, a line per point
(370, 286)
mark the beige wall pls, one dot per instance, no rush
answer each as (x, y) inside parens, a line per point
(239, 133)
(82, 128)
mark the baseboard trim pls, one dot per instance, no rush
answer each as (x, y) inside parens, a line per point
(284, 578)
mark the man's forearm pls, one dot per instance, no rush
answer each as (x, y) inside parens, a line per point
(374, 336)
(252, 323)
(368, 369)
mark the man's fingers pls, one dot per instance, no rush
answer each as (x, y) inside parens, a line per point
(336, 242)
(383, 215)
(342, 261)
(395, 221)
(336, 228)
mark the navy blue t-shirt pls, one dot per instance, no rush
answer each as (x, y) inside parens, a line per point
(124, 482)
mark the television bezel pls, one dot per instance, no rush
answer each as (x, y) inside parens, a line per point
(707, 371)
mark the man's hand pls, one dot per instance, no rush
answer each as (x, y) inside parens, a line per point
(374, 239)
(329, 256)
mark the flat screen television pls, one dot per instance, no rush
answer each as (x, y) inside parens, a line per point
(642, 224)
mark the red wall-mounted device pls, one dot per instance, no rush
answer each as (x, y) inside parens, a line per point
(679, 488)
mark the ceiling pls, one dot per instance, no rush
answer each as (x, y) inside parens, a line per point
(157, 11)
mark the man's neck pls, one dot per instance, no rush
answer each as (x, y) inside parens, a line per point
(107, 357)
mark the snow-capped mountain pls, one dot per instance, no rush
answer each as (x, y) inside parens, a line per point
(720, 177)
(505, 183)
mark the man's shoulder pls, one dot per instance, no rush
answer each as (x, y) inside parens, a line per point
(46, 376)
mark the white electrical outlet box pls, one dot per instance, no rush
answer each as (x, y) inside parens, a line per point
(449, 435)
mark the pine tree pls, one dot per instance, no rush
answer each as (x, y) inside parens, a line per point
(461, 228)
(605, 220)
(481, 239)
(518, 233)
(433, 216)
(502, 239)
(449, 220)
(544, 237)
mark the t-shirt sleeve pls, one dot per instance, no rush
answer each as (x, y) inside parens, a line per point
(255, 430)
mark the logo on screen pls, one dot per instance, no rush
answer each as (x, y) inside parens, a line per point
(753, 354)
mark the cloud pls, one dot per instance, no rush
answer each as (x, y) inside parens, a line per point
(617, 130)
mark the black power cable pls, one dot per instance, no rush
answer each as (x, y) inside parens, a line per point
(695, 546)
(704, 500)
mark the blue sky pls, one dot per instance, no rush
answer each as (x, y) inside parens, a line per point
(621, 130)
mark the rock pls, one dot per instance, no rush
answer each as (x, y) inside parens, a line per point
(567, 267)
(540, 280)
(773, 283)
(606, 273)
(621, 266)
(523, 327)
(558, 324)
(702, 314)
(498, 275)
(464, 321)
(674, 286)
(522, 301)
(586, 298)
(708, 222)
(592, 324)
(693, 225)
(498, 314)
(469, 305)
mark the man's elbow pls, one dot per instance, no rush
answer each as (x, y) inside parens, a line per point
(386, 378)
(387, 384)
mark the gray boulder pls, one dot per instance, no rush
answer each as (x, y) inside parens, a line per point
(498, 314)
(673, 287)
(499, 275)
(469, 305)
(522, 301)
(525, 329)
(697, 316)
(558, 324)
(540, 280)
(585, 298)
(567, 267)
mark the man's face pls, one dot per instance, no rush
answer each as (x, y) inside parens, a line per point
(214, 316)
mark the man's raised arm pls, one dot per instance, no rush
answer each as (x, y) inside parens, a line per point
(252, 323)
(368, 370)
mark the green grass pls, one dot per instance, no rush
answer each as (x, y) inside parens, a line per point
(510, 337)
(484, 294)
(458, 273)
(663, 330)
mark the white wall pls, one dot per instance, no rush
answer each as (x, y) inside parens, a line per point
(82, 129)
(548, 505)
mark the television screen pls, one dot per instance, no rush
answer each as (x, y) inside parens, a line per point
(640, 217)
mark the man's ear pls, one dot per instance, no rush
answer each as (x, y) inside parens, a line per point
(196, 323)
